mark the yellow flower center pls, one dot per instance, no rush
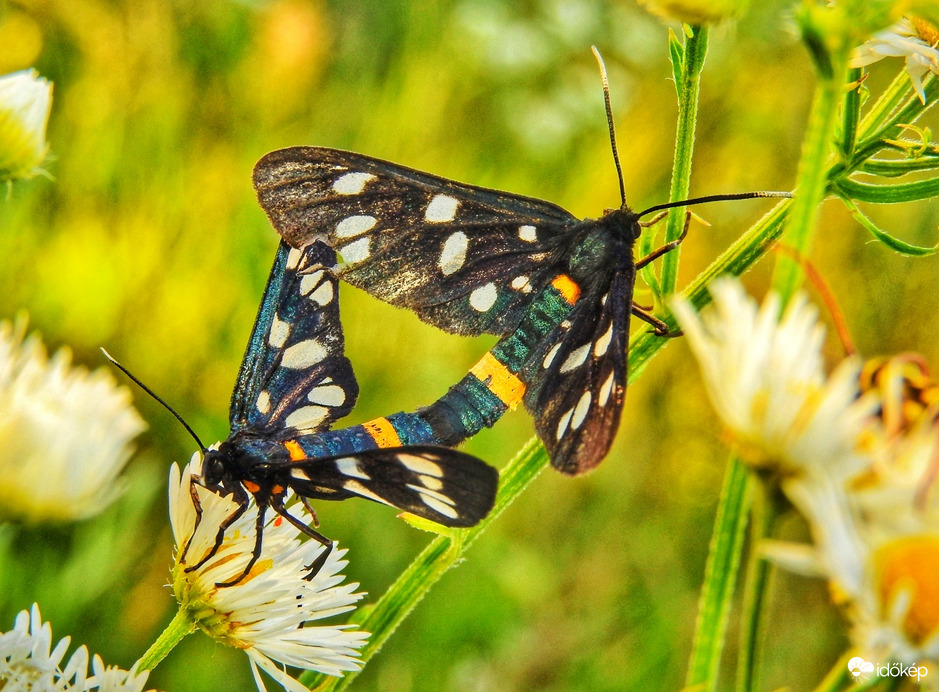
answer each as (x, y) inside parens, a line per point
(909, 570)
(927, 31)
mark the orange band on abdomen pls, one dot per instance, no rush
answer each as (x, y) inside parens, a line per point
(383, 432)
(498, 380)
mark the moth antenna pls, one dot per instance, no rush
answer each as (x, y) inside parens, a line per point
(714, 198)
(609, 119)
(151, 393)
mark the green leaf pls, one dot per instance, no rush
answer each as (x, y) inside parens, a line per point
(887, 168)
(676, 54)
(890, 241)
(887, 194)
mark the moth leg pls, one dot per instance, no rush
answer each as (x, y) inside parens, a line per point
(241, 497)
(197, 505)
(659, 328)
(277, 503)
(309, 508)
(668, 247)
(255, 553)
(654, 220)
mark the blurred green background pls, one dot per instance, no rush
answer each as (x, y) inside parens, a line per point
(148, 240)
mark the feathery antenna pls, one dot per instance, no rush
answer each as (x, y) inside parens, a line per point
(151, 393)
(609, 119)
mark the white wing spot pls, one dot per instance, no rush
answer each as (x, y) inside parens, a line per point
(439, 507)
(548, 359)
(527, 233)
(483, 297)
(349, 466)
(356, 251)
(328, 395)
(521, 283)
(322, 295)
(605, 391)
(442, 208)
(352, 183)
(420, 465)
(293, 258)
(300, 474)
(563, 423)
(453, 254)
(280, 330)
(603, 343)
(310, 281)
(355, 225)
(303, 354)
(430, 482)
(576, 358)
(306, 417)
(580, 411)
(263, 404)
(362, 491)
(426, 492)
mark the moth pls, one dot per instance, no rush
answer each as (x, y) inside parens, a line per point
(471, 260)
(294, 382)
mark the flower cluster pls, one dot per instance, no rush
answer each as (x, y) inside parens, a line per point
(29, 663)
(855, 452)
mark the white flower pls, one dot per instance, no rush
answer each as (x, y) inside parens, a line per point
(111, 679)
(856, 455)
(25, 101)
(28, 663)
(765, 378)
(266, 613)
(64, 432)
(914, 40)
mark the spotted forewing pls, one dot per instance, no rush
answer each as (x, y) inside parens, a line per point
(468, 260)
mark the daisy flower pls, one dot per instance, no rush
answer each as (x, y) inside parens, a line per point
(65, 433)
(268, 613)
(25, 101)
(765, 377)
(915, 40)
(28, 663)
(855, 452)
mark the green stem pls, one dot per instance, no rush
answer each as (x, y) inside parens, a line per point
(720, 578)
(757, 594)
(180, 626)
(811, 185)
(689, 89)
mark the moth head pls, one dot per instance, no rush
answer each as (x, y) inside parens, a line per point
(213, 467)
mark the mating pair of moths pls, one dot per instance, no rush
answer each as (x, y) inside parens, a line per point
(557, 290)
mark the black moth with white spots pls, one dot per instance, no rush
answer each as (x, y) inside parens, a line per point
(472, 260)
(294, 382)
